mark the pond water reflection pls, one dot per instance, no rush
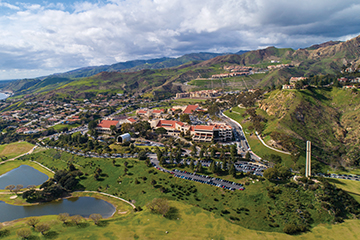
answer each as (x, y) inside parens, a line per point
(24, 175)
(83, 206)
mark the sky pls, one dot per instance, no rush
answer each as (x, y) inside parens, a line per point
(39, 37)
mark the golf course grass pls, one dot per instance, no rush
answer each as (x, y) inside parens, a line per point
(15, 149)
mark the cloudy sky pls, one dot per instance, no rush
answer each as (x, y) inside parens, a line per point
(39, 37)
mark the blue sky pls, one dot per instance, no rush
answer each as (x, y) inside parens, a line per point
(38, 37)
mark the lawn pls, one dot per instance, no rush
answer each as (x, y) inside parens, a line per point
(141, 184)
(352, 187)
(58, 127)
(188, 222)
(15, 149)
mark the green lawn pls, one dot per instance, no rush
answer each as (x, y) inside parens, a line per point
(352, 187)
(58, 127)
(189, 222)
(15, 149)
(141, 184)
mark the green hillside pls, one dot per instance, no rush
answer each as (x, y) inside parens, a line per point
(326, 117)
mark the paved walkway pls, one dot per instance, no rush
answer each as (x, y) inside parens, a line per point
(274, 149)
(12, 159)
(109, 195)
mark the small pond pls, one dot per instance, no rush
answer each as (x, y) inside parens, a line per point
(24, 175)
(83, 206)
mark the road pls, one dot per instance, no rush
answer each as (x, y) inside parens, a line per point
(240, 139)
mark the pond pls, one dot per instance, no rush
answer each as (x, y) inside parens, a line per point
(83, 206)
(24, 175)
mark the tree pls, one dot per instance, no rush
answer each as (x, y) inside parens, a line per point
(159, 205)
(192, 165)
(185, 118)
(213, 166)
(42, 227)
(199, 167)
(193, 150)
(161, 130)
(113, 129)
(76, 219)
(10, 188)
(247, 156)
(64, 217)
(92, 125)
(142, 155)
(96, 218)
(213, 152)
(271, 174)
(24, 233)
(32, 222)
(232, 170)
(233, 151)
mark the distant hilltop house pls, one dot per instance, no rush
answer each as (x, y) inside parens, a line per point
(292, 82)
(351, 87)
(232, 74)
(345, 80)
(270, 67)
(219, 132)
(199, 94)
(237, 68)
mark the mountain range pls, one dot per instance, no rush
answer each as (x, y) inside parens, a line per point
(162, 74)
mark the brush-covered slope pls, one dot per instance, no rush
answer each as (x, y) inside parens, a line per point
(329, 118)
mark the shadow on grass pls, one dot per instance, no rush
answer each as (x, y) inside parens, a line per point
(33, 238)
(103, 223)
(335, 181)
(83, 225)
(173, 213)
(51, 235)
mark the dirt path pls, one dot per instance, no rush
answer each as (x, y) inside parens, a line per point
(12, 159)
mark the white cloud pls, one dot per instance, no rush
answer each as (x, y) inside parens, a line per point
(52, 37)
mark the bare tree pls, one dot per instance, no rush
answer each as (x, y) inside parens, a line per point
(96, 218)
(64, 217)
(159, 205)
(10, 187)
(18, 188)
(24, 233)
(32, 222)
(42, 227)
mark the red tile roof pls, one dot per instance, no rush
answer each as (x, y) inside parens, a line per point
(204, 127)
(158, 111)
(168, 124)
(190, 109)
(107, 123)
(131, 120)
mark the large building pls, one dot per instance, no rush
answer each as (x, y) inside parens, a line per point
(104, 126)
(219, 132)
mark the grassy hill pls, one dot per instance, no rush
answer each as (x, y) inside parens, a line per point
(326, 117)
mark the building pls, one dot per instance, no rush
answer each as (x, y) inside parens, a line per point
(208, 133)
(286, 86)
(190, 109)
(104, 126)
(219, 132)
(293, 80)
(173, 128)
(124, 138)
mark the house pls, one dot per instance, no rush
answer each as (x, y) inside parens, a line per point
(104, 126)
(293, 80)
(286, 86)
